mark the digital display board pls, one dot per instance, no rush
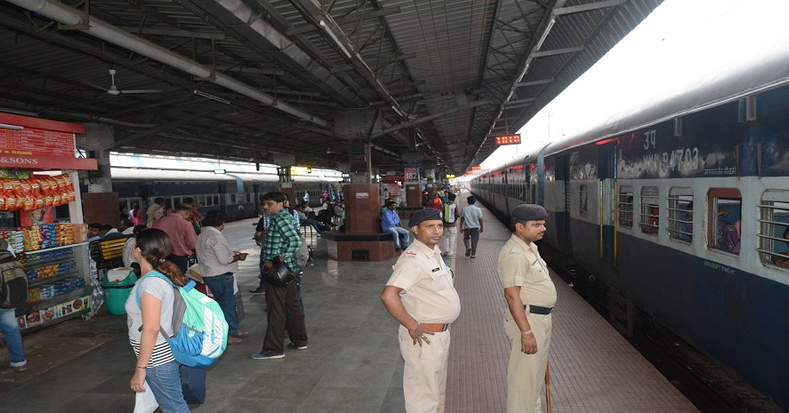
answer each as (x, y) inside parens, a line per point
(508, 139)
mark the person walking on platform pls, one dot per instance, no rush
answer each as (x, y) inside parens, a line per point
(282, 303)
(530, 296)
(471, 225)
(260, 239)
(154, 313)
(218, 264)
(421, 296)
(450, 216)
(390, 222)
(10, 328)
(182, 235)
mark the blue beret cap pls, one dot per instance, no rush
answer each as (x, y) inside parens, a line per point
(529, 212)
(422, 215)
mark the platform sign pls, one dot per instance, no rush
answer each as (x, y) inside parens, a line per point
(508, 139)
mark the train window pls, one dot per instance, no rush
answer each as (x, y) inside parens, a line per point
(724, 231)
(774, 228)
(650, 210)
(583, 200)
(680, 214)
(232, 198)
(624, 206)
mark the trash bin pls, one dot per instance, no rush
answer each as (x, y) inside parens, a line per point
(116, 292)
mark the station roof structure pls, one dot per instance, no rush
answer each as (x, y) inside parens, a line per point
(252, 79)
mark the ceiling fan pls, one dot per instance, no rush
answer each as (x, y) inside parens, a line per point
(113, 90)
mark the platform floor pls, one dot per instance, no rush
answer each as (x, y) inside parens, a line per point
(353, 362)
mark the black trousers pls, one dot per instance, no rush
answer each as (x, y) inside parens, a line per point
(283, 310)
(471, 234)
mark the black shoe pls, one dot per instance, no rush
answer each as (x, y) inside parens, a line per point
(258, 291)
(468, 251)
(397, 249)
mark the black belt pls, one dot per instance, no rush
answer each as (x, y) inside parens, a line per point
(536, 309)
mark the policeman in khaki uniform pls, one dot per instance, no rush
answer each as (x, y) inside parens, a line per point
(421, 295)
(530, 295)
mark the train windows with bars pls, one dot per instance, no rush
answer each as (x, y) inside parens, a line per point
(680, 214)
(624, 207)
(650, 210)
(583, 200)
(723, 231)
(773, 232)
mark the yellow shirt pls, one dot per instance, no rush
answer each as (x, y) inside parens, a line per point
(520, 265)
(429, 293)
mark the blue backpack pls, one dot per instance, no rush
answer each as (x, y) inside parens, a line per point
(199, 326)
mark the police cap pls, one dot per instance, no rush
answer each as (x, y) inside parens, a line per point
(529, 212)
(426, 214)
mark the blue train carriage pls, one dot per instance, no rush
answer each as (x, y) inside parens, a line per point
(687, 219)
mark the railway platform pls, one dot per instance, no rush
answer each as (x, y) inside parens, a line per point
(352, 363)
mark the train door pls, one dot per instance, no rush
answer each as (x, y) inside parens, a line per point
(606, 168)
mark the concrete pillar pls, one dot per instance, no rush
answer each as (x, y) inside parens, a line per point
(96, 139)
(361, 209)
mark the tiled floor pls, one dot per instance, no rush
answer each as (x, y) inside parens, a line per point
(353, 362)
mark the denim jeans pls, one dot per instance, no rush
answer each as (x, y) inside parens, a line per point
(13, 338)
(396, 233)
(165, 382)
(222, 288)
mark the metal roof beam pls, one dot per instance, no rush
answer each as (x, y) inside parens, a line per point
(587, 7)
(366, 15)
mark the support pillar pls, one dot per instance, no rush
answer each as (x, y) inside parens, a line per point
(100, 203)
(363, 239)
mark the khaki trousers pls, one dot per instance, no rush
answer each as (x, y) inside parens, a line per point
(526, 372)
(425, 372)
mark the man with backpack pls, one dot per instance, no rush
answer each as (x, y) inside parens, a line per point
(450, 214)
(8, 325)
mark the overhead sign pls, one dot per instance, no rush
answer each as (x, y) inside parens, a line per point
(508, 139)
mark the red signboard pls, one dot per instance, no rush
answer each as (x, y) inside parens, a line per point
(33, 143)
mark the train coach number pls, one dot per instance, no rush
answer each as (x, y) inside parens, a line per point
(682, 159)
(649, 139)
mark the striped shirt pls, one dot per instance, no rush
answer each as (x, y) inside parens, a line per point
(162, 353)
(282, 238)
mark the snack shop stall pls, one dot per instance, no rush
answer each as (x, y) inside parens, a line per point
(41, 217)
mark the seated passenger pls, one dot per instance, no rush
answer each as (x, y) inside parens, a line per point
(728, 235)
(390, 222)
(779, 260)
(94, 231)
(110, 232)
(652, 224)
(304, 220)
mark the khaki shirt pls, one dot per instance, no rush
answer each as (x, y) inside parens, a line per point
(520, 265)
(429, 293)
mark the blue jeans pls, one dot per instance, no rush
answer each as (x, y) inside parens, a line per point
(396, 232)
(13, 338)
(222, 288)
(165, 382)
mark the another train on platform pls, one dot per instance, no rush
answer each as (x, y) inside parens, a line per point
(680, 209)
(234, 187)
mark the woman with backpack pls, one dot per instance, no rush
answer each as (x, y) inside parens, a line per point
(155, 362)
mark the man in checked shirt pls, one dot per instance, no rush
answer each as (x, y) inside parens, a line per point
(282, 303)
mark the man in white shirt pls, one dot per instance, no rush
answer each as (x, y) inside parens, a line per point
(218, 263)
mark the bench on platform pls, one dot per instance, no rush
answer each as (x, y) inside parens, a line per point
(108, 253)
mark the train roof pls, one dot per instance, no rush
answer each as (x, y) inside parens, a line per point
(770, 70)
(128, 167)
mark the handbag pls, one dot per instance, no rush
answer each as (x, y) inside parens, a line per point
(239, 307)
(279, 274)
(193, 384)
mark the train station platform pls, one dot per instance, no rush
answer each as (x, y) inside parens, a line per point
(352, 363)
